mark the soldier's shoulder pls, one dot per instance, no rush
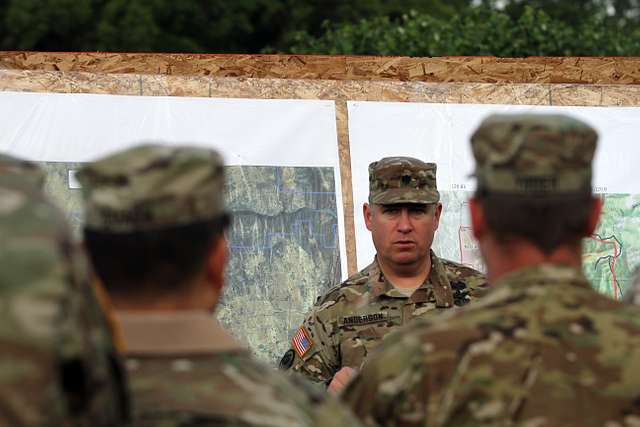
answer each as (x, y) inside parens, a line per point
(223, 387)
(604, 309)
(354, 282)
(460, 273)
(460, 270)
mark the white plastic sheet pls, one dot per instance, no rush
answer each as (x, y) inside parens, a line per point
(440, 133)
(82, 127)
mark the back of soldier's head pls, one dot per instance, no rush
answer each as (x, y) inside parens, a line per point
(58, 363)
(152, 214)
(534, 176)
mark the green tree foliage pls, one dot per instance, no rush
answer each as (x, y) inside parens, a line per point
(575, 12)
(26, 24)
(186, 25)
(435, 27)
(311, 16)
(477, 31)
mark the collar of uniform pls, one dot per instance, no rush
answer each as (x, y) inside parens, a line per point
(190, 332)
(529, 278)
(436, 284)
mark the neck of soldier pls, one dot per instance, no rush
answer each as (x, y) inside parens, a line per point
(196, 296)
(506, 257)
(406, 275)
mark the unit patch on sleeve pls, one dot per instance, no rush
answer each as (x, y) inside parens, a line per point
(301, 342)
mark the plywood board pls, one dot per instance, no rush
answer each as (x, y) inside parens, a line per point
(601, 70)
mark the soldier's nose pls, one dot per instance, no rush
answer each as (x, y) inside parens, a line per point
(404, 222)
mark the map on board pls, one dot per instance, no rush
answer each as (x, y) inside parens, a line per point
(613, 251)
(609, 255)
(283, 243)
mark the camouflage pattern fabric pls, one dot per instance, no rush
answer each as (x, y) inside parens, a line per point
(632, 290)
(351, 319)
(540, 349)
(58, 365)
(186, 371)
(21, 171)
(527, 154)
(148, 187)
(394, 180)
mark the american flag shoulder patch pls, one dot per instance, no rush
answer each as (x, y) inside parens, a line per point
(301, 341)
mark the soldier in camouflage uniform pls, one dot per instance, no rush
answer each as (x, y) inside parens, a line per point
(24, 171)
(632, 291)
(58, 364)
(155, 219)
(542, 348)
(406, 280)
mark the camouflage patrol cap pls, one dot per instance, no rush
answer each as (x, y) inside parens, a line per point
(151, 186)
(402, 180)
(534, 154)
(21, 170)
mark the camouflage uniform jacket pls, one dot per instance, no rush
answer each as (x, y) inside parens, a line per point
(541, 349)
(185, 370)
(352, 318)
(58, 365)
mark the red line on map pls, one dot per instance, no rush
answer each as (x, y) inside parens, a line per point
(613, 263)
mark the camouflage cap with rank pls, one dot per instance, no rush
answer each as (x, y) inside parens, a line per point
(150, 187)
(534, 154)
(395, 180)
(23, 170)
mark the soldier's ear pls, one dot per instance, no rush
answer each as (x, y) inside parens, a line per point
(367, 213)
(437, 212)
(594, 215)
(478, 220)
(217, 261)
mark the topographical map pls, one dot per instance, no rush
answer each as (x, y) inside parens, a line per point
(283, 243)
(613, 251)
(609, 255)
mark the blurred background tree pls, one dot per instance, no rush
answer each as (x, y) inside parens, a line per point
(401, 27)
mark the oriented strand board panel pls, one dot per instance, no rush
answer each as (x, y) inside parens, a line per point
(444, 69)
(338, 90)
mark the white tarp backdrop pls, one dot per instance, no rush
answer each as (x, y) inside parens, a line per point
(440, 133)
(81, 127)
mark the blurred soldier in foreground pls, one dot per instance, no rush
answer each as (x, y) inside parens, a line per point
(542, 348)
(405, 281)
(22, 171)
(155, 221)
(632, 291)
(58, 364)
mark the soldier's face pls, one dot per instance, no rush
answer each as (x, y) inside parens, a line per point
(402, 233)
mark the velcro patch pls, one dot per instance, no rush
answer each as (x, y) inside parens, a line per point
(301, 342)
(287, 360)
(364, 319)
